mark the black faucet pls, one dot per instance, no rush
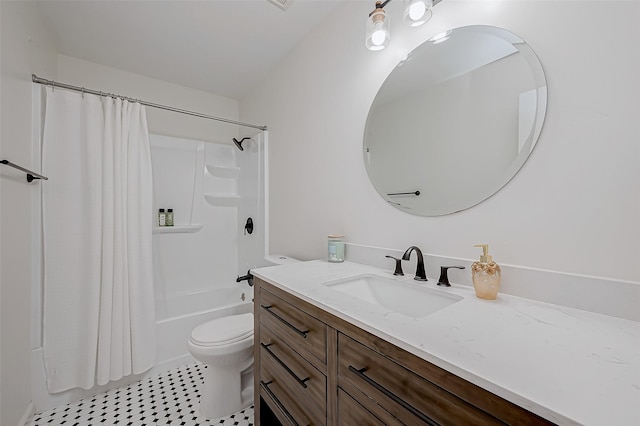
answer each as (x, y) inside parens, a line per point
(421, 275)
(248, 278)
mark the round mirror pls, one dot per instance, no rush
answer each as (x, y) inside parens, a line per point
(455, 120)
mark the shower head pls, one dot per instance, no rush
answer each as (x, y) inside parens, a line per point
(239, 143)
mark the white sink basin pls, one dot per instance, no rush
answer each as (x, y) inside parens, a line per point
(404, 297)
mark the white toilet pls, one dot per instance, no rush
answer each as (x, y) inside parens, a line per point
(225, 346)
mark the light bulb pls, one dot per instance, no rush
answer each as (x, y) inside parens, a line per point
(417, 10)
(379, 34)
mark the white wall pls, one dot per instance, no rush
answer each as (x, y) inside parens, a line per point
(82, 73)
(25, 49)
(574, 206)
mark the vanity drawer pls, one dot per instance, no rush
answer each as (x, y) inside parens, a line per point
(407, 396)
(350, 412)
(304, 333)
(285, 408)
(303, 404)
(302, 378)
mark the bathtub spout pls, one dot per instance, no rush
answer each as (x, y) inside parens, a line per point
(248, 278)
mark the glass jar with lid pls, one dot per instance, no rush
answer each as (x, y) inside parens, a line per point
(336, 248)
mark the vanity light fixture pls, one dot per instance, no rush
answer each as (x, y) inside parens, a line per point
(378, 28)
(416, 13)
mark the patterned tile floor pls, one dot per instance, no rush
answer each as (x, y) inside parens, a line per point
(167, 399)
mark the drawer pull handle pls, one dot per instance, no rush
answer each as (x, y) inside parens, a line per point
(283, 365)
(394, 397)
(285, 322)
(265, 386)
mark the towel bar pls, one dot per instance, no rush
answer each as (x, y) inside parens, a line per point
(30, 175)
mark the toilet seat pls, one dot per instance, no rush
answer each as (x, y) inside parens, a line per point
(223, 331)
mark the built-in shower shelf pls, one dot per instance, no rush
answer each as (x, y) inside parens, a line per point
(225, 172)
(223, 200)
(177, 229)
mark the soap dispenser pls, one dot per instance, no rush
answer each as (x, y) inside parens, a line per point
(485, 275)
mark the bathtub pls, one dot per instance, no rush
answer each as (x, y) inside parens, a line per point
(184, 312)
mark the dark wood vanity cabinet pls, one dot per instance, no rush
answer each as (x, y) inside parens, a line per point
(312, 368)
(290, 358)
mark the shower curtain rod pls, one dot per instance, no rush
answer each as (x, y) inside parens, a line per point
(55, 84)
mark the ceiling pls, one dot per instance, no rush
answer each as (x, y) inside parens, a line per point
(224, 47)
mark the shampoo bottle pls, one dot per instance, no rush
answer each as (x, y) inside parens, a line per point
(485, 275)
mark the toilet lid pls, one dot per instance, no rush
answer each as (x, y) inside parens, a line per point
(222, 331)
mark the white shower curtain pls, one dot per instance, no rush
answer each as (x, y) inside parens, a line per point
(99, 318)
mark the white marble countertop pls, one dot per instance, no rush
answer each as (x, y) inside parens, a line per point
(566, 365)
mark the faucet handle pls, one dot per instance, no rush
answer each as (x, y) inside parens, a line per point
(443, 281)
(398, 270)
